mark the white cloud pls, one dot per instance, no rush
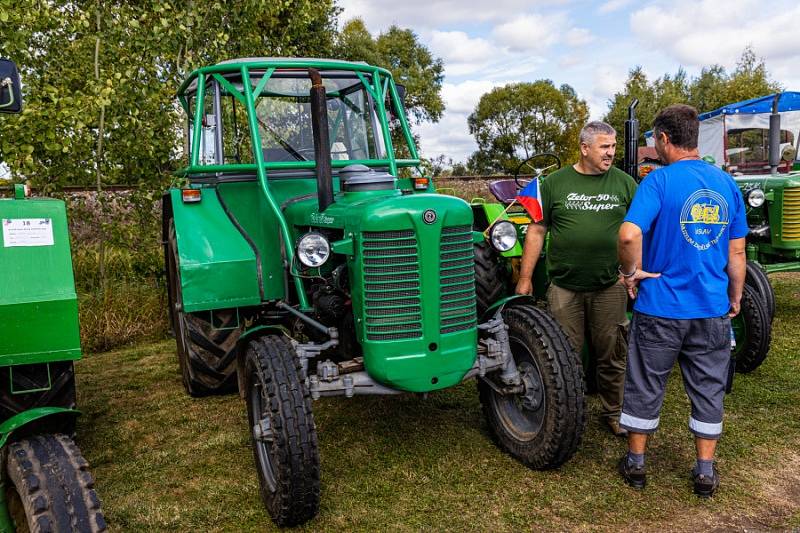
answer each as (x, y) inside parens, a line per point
(613, 5)
(578, 37)
(705, 32)
(461, 53)
(423, 14)
(531, 33)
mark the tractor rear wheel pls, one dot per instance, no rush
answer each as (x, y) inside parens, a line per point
(282, 430)
(757, 278)
(542, 426)
(206, 351)
(753, 331)
(491, 277)
(49, 487)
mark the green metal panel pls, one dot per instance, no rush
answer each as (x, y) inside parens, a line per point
(493, 211)
(37, 292)
(217, 265)
(32, 415)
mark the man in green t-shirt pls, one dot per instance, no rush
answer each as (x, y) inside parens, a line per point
(583, 207)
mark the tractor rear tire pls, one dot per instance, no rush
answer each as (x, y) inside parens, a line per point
(758, 279)
(206, 351)
(491, 277)
(543, 426)
(49, 487)
(60, 376)
(754, 332)
(282, 430)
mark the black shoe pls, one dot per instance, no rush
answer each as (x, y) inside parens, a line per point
(636, 477)
(705, 486)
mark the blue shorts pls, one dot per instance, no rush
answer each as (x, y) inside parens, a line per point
(703, 350)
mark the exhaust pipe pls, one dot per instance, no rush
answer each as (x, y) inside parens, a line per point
(322, 146)
(631, 164)
(775, 136)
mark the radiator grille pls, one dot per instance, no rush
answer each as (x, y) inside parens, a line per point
(790, 215)
(392, 304)
(457, 274)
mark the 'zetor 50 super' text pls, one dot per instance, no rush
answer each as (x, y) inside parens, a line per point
(305, 259)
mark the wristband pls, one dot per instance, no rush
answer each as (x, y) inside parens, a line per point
(624, 275)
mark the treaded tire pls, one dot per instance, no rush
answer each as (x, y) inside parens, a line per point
(29, 377)
(51, 489)
(548, 436)
(757, 278)
(491, 277)
(206, 355)
(753, 332)
(287, 455)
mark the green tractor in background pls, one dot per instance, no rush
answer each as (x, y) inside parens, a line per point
(46, 484)
(304, 260)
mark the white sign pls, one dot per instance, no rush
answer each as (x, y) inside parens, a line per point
(27, 232)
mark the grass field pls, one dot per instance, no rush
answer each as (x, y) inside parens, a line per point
(166, 462)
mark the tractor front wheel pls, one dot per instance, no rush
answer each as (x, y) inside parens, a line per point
(492, 278)
(543, 425)
(753, 331)
(49, 487)
(757, 278)
(206, 350)
(282, 430)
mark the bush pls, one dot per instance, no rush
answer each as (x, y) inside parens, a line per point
(124, 313)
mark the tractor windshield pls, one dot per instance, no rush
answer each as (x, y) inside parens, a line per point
(283, 116)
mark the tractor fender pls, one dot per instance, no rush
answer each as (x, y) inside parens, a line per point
(48, 419)
(499, 305)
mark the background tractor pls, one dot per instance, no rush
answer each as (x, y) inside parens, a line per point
(46, 484)
(305, 259)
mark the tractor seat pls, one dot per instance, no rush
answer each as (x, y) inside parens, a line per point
(504, 190)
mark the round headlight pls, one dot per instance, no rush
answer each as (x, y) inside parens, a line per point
(755, 198)
(313, 250)
(503, 236)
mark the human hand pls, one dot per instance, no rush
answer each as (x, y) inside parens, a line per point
(631, 282)
(524, 286)
(735, 307)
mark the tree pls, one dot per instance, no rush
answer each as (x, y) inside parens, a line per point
(712, 89)
(513, 122)
(410, 62)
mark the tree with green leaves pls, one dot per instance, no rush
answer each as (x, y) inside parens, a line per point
(712, 89)
(410, 62)
(513, 122)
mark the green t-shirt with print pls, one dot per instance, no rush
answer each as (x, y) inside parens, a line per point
(583, 214)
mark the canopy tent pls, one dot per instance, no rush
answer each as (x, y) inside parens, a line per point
(749, 114)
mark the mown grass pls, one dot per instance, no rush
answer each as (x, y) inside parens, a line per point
(166, 462)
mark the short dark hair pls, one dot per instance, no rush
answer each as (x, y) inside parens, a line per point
(681, 125)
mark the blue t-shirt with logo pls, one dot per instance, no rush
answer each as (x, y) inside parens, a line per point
(687, 211)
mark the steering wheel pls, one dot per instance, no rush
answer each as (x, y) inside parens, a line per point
(537, 171)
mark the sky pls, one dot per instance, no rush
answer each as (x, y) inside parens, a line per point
(589, 45)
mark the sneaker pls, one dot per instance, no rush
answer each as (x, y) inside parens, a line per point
(615, 429)
(636, 477)
(705, 486)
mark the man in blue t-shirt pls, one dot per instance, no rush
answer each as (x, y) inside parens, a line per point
(682, 244)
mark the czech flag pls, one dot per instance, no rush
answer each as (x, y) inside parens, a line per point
(531, 199)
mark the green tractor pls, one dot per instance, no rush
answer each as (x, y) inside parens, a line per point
(46, 484)
(305, 259)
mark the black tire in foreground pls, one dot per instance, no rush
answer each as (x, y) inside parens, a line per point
(206, 351)
(753, 331)
(543, 426)
(491, 277)
(757, 278)
(282, 430)
(49, 487)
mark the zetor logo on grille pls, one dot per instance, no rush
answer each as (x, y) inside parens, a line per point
(429, 216)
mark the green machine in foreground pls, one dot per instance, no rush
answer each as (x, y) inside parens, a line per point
(306, 259)
(46, 485)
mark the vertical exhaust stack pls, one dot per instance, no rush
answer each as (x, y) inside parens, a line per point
(775, 136)
(631, 164)
(322, 146)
